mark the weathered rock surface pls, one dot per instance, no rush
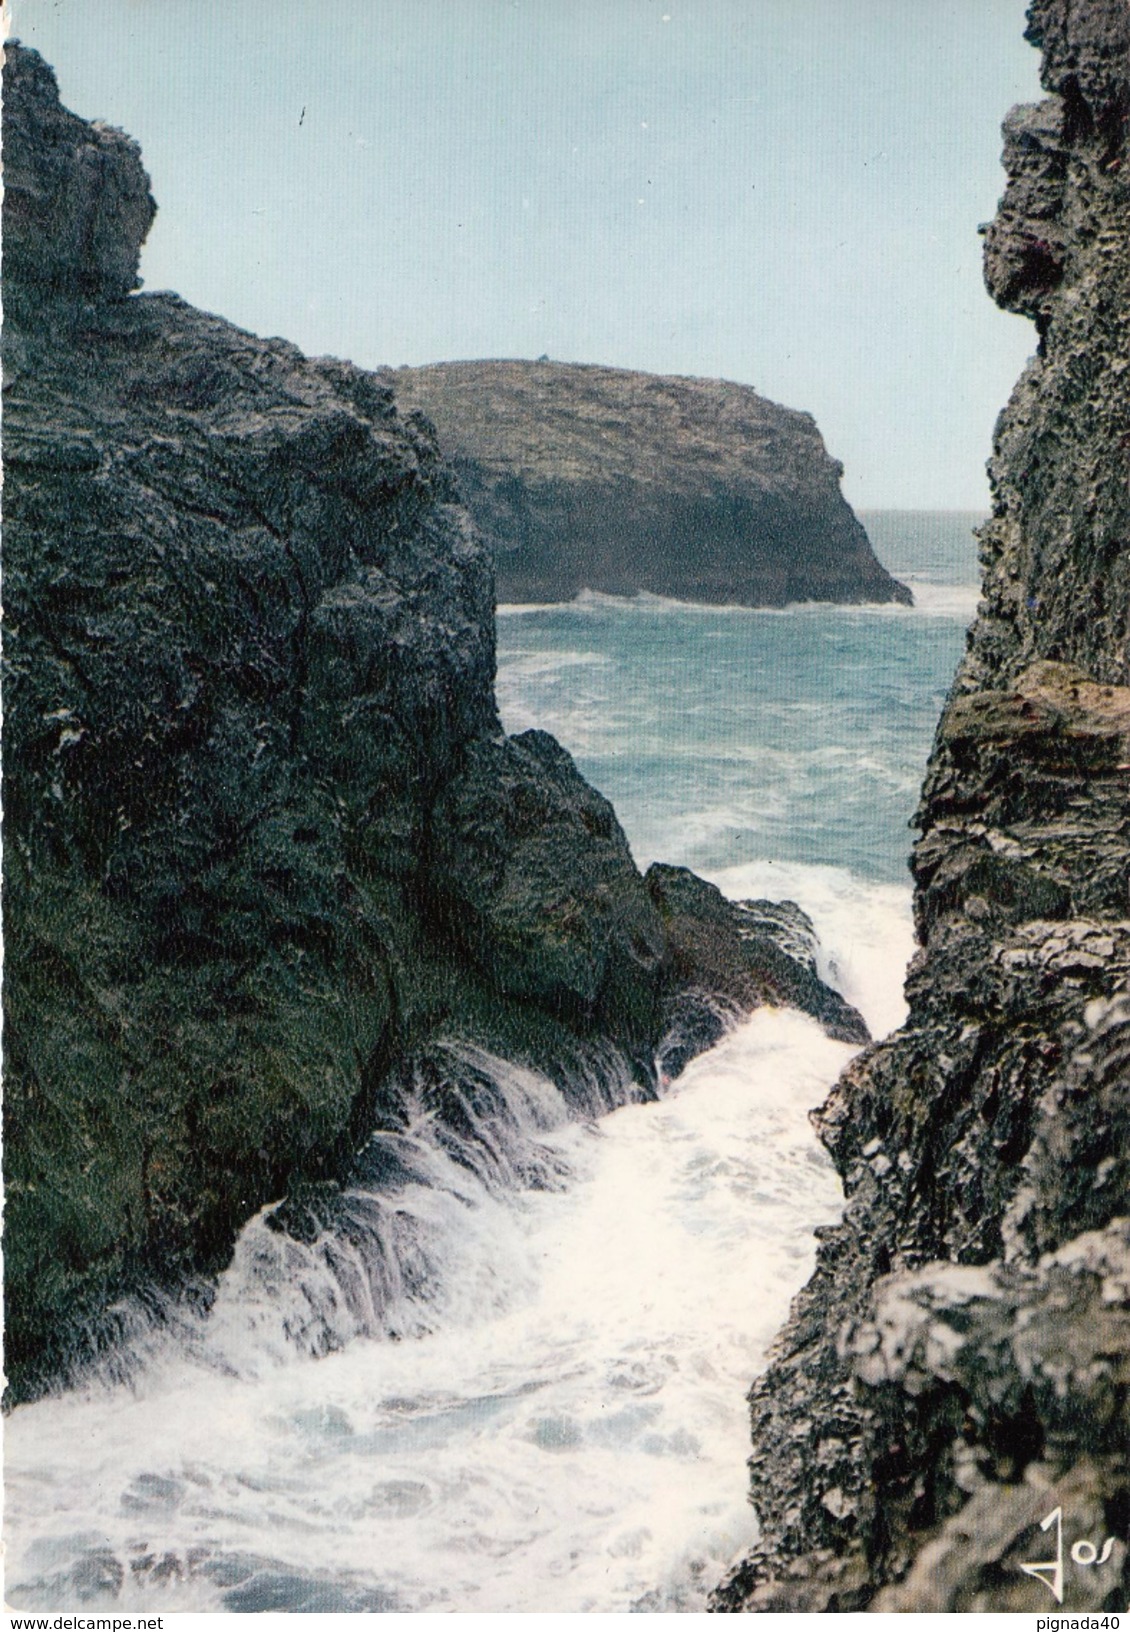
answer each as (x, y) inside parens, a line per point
(599, 478)
(77, 205)
(957, 1367)
(728, 957)
(266, 842)
(533, 882)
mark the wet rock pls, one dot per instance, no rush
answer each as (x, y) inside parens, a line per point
(268, 852)
(250, 641)
(534, 879)
(743, 954)
(955, 1369)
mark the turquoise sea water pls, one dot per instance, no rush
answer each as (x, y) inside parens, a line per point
(724, 735)
(561, 1423)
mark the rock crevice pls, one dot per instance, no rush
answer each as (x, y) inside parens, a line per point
(956, 1368)
(266, 842)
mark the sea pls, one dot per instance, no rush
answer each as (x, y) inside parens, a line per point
(493, 1395)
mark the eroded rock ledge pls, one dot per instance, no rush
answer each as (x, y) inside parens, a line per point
(958, 1366)
(266, 843)
(583, 477)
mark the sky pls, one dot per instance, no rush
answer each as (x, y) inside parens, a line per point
(781, 192)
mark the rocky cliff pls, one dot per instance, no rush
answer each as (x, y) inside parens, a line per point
(956, 1373)
(266, 843)
(599, 478)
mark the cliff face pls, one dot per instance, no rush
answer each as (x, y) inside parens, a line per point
(957, 1368)
(599, 478)
(265, 840)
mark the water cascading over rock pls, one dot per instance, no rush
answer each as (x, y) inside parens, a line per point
(269, 853)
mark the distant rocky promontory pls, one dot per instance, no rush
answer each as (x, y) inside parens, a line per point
(584, 477)
(269, 856)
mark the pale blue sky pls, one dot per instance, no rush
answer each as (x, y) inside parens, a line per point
(784, 192)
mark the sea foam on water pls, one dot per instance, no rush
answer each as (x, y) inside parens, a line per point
(513, 1378)
(561, 1428)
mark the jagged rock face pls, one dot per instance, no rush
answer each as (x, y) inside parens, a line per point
(266, 842)
(1057, 570)
(956, 1368)
(77, 205)
(502, 828)
(734, 956)
(250, 634)
(604, 479)
(250, 642)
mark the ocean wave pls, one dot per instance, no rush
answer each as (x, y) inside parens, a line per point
(934, 600)
(930, 600)
(865, 928)
(539, 665)
(567, 1434)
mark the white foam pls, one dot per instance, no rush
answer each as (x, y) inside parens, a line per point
(540, 665)
(573, 1443)
(866, 930)
(565, 692)
(934, 600)
(931, 599)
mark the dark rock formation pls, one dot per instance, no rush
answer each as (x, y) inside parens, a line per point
(531, 883)
(599, 478)
(733, 956)
(957, 1368)
(77, 206)
(266, 842)
(249, 635)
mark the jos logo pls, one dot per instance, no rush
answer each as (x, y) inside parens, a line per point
(1084, 1553)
